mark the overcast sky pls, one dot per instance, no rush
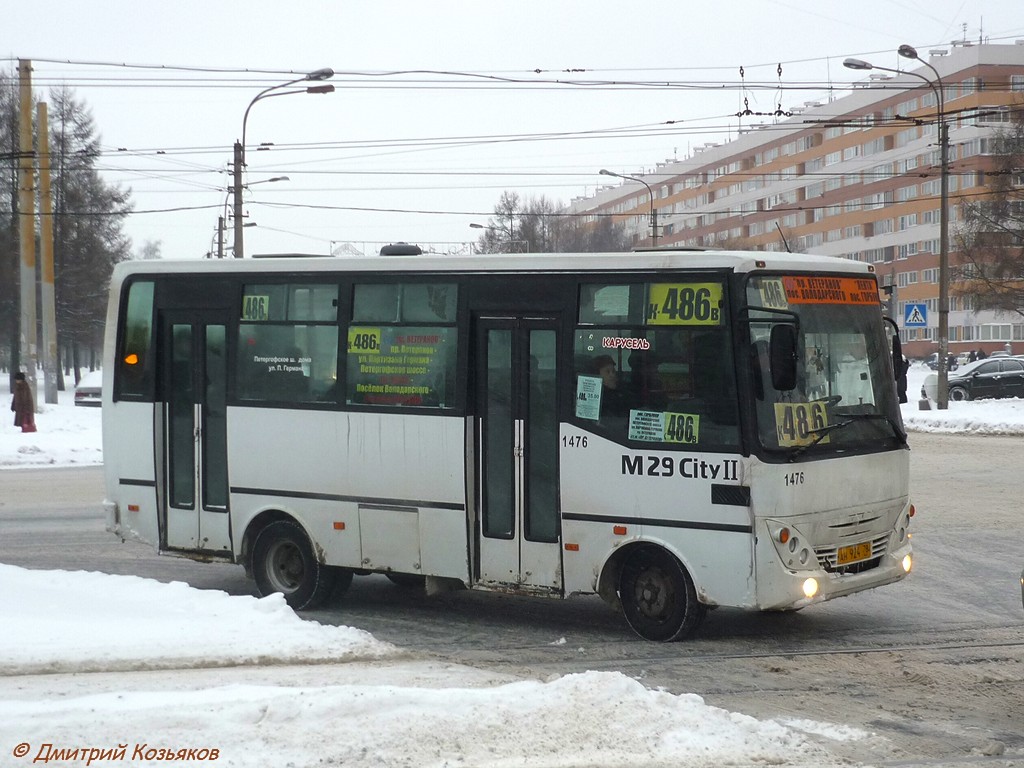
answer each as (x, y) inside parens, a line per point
(418, 157)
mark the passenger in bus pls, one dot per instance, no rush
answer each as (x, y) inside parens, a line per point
(647, 388)
(614, 399)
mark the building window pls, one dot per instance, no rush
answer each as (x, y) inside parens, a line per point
(906, 251)
(906, 193)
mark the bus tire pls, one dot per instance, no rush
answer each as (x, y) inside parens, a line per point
(283, 561)
(658, 598)
(342, 581)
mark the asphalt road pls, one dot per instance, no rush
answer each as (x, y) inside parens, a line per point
(933, 666)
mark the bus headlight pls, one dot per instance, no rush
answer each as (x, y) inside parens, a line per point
(810, 588)
(908, 563)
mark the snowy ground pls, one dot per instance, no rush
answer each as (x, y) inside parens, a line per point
(93, 662)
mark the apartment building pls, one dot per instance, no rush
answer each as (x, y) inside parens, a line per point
(858, 177)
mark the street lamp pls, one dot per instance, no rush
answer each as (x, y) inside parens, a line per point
(909, 52)
(654, 212)
(315, 76)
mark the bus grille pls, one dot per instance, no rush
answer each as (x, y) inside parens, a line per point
(827, 557)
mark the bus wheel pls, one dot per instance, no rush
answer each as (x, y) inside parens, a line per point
(658, 597)
(342, 581)
(283, 561)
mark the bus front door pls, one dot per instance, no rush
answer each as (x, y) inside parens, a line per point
(194, 362)
(517, 452)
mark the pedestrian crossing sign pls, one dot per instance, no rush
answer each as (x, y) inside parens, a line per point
(915, 316)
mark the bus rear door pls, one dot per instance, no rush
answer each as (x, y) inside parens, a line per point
(194, 373)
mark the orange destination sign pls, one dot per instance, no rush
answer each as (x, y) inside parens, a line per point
(830, 290)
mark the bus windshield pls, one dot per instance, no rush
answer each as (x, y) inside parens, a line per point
(844, 396)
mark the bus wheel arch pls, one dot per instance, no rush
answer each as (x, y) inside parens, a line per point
(281, 558)
(655, 591)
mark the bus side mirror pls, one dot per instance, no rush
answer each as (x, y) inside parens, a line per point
(898, 367)
(782, 354)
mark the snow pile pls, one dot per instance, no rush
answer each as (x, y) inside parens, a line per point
(126, 622)
(387, 712)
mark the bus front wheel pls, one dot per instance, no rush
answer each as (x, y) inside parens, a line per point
(658, 598)
(283, 561)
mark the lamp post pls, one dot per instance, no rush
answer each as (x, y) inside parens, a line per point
(909, 52)
(239, 153)
(650, 192)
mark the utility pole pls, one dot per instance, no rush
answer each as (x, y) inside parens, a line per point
(239, 162)
(49, 301)
(26, 223)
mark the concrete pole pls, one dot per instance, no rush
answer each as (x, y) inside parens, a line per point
(26, 223)
(239, 163)
(49, 300)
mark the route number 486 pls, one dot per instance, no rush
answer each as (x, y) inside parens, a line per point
(797, 423)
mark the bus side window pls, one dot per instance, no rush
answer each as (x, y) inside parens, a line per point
(287, 363)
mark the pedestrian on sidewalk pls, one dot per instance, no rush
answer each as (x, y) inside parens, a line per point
(23, 404)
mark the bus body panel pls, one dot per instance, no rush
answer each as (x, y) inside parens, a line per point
(664, 498)
(129, 441)
(367, 487)
(367, 456)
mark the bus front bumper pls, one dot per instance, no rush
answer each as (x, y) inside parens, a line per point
(798, 589)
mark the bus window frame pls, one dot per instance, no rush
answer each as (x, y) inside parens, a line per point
(148, 392)
(729, 311)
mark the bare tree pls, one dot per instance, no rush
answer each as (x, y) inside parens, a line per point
(88, 235)
(151, 249)
(539, 225)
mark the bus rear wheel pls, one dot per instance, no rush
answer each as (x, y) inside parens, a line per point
(658, 598)
(283, 561)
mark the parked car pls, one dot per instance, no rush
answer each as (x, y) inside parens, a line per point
(90, 390)
(999, 377)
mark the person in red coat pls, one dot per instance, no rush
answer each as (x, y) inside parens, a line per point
(23, 404)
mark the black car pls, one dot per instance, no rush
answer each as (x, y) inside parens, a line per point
(992, 377)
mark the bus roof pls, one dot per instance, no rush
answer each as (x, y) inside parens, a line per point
(643, 260)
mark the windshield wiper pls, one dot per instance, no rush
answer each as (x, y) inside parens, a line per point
(850, 418)
(821, 435)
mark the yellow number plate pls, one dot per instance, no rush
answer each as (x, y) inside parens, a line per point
(854, 553)
(685, 304)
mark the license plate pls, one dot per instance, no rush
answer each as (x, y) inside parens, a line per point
(854, 553)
